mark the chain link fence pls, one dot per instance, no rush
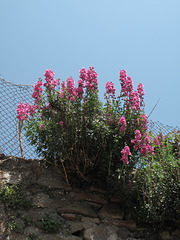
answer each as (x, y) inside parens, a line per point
(10, 96)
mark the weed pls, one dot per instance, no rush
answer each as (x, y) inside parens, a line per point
(15, 225)
(13, 198)
(32, 236)
(51, 224)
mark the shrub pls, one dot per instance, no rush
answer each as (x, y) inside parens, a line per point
(156, 191)
(88, 141)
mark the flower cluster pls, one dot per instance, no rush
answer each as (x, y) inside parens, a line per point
(90, 77)
(142, 143)
(140, 89)
(110, 89)
(23, 111)
(51, 83)
(137, 139)
(80, 90)
(71, 89)
(122, 123)
(135, 100)
(159, 140)
(125, 153)
(37, 91)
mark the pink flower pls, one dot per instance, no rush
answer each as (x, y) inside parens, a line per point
(61, 123)
(140, 89)
(137, 140)
(126, 83)
(129, 84)
(146, 148)
(159, 140)
(91, 79)
(23, 111)
(42, 126)
(147, 140)
(37, 90)
(122, 123)
(80, 90)
(32, 110)
(125, 153)
(83, 74)
(49, 73)
(135, 100)
(110, 89)
(51, 83)
(70, 84)
(71, 89)
(143, 149)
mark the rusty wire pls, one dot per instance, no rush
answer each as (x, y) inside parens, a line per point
(10, 96)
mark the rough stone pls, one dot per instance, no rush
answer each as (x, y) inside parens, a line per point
(2, 228)
(122, 223)
(176, 233)
(123, 233)
(101, 232)
(90, 197)
(42, 200)
(165, 235)
(71, 238)
(111, 210)
(32, 230)
(77, 208)
(70, 216)
(75, 226)
(89, 214)
(91, 220)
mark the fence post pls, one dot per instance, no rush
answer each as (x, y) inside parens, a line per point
(20, 137)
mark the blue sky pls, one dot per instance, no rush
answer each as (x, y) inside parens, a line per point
(141, 36)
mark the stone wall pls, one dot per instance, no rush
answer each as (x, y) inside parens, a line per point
(87, 214)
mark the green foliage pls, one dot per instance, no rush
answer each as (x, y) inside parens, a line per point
(84, 140)
(13, 198)
(32, 236)
(154, 196)
(89, 143)
(14, 225)
(52, 224)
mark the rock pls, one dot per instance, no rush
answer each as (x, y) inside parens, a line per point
(75, 226)
(15, 236)
(42, 200)
(71, 238)
(91, 220)
(122, 223)
(90, 197)
(58, 236)
(165, 235)
(32, 230)
(176, 233)
(77, 208)
(112, 211)
(123, 233)
(101, 232)
(2, 228)
(85, 214)
(70, 216)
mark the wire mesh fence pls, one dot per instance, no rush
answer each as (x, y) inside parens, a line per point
(10, 96)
